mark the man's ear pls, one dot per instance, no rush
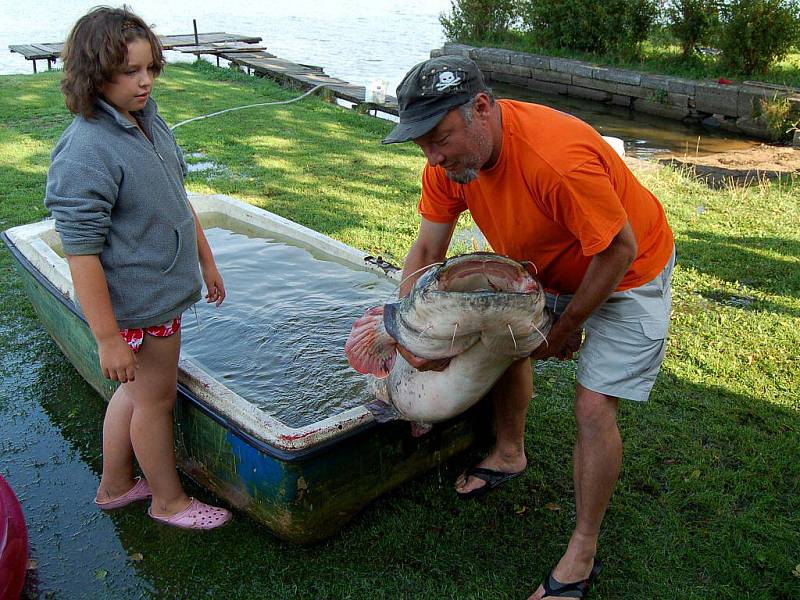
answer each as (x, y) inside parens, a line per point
(483, 105)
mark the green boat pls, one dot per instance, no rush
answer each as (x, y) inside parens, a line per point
(304, 482)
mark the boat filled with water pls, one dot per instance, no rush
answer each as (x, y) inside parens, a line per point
(269, 416)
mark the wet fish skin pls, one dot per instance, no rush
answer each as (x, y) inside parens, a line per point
(481, 310)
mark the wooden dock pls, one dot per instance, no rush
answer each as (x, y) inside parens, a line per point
(245, 52)
(51, 51)
(257, 61)
(306, 77)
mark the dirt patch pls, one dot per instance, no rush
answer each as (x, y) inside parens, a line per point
(741, 167)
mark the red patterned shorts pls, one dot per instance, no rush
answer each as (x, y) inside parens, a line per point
(135, 337)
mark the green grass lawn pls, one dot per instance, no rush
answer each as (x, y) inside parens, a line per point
(708, 505)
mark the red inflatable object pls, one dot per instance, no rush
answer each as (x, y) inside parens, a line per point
(13, 544)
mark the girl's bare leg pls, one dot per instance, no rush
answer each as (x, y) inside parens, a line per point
(153, 399)
(117, 449)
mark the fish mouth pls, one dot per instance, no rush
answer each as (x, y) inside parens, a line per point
(485, 272)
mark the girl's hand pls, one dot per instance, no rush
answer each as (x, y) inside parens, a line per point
(215, 288)
(117, 360)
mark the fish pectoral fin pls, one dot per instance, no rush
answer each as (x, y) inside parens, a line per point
(383, 412)
(370, 349)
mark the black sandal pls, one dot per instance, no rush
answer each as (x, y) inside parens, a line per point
(579, 589)
(490, 476)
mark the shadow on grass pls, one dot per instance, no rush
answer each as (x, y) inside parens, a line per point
(742, 260)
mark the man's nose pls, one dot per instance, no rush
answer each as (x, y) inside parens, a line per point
(434, 156)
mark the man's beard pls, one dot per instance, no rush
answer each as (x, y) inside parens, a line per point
(465, 176)
(474, 161)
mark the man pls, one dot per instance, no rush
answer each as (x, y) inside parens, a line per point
(543, 186)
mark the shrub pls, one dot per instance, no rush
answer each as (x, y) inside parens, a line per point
(777, 114)
(757, 33)
(474, 20)
(693, 22)
(615, 26)
(638, 17)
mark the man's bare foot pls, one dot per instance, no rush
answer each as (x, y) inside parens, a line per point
(569, 569)
(495, 461)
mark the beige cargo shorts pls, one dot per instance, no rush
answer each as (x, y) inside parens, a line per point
(625, 338)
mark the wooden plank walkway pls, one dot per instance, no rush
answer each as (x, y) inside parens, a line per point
(220, 47)
(51, 51)
(34, 52)
(255, 60)
(263, 64)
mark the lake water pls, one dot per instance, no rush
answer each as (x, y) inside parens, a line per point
(356, 40)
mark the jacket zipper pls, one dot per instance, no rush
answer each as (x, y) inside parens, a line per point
(153, 144)
(158, 154)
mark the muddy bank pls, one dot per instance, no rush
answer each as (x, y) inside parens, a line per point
(740, 167)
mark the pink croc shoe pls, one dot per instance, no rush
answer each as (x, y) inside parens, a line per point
(140, 491)
(197, 515)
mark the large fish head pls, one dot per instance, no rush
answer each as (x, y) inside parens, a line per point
(390, 319)
(415, 335)
(467, 298)
(484, 272)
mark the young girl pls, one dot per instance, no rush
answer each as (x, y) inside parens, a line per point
(133, 243)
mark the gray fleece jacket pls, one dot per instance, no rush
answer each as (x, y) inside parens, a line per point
(116, 194)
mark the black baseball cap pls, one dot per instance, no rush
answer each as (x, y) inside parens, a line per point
(429, 90)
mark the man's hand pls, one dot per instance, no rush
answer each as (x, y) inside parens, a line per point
(605, 271)
(423, 364)
(570, 346)
(562, 342)
(117, 360)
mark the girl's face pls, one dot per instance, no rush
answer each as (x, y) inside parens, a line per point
(130, 88)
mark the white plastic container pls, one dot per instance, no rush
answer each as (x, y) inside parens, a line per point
(617, 144)
(376, 92)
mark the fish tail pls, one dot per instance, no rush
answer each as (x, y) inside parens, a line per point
(370, 349)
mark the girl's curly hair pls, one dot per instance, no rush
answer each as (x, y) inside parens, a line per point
(97, 49)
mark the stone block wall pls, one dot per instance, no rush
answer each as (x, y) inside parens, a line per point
(734, 107)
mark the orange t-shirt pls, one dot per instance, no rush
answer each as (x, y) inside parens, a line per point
(557, 195)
